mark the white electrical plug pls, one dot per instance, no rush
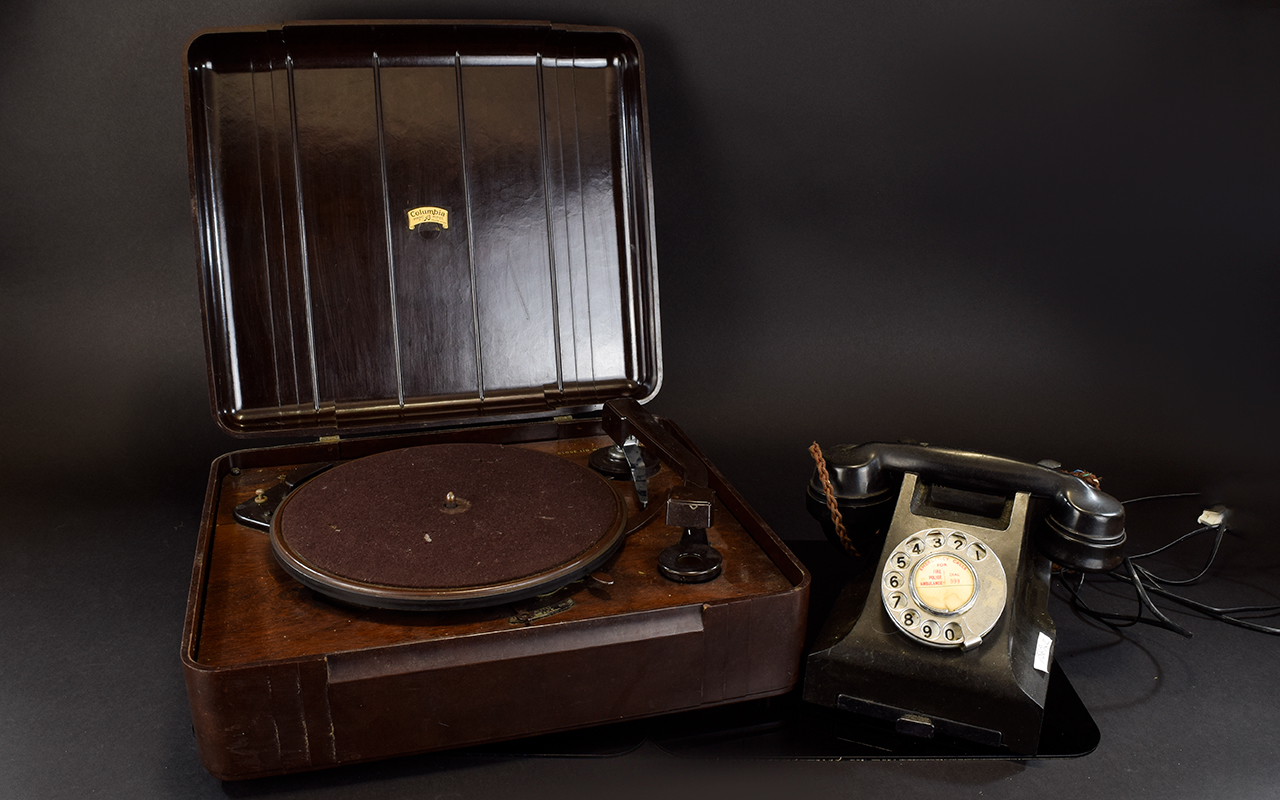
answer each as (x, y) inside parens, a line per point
(1213, 517)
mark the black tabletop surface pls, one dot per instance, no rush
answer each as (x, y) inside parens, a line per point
(1039, 232)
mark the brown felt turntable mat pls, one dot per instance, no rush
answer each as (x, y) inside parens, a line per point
(384, 519)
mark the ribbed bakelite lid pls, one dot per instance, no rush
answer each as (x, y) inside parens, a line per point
(408, 224)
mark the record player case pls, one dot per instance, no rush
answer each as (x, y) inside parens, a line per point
(422, 234)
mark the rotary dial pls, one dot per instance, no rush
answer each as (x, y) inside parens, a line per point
(944, 588)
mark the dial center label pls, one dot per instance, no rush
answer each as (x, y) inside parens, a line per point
(944, 583)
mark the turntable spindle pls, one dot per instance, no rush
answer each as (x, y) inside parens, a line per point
(454, 504)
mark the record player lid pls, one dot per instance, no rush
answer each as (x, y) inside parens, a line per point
(411, 224)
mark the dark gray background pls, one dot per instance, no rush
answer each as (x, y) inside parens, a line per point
(1046, 229)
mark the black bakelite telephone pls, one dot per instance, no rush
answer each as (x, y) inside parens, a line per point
(951, 635)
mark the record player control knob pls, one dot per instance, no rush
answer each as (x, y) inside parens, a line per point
(260, 496)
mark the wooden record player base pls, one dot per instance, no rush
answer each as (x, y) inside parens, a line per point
(281, 680)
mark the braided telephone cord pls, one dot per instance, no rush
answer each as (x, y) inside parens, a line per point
(830, 493)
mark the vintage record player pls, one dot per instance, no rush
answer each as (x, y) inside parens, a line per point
(428, 260)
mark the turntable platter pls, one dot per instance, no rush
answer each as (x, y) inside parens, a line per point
(448, 526)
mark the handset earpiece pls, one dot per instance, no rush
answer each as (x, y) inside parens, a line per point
(1084, 528)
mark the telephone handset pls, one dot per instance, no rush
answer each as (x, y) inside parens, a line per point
(951, 633)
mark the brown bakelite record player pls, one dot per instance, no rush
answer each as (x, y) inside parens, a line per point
(427, 251)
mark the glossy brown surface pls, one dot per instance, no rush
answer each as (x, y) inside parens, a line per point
(280, 680)
(253, 611)
(325, 311)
